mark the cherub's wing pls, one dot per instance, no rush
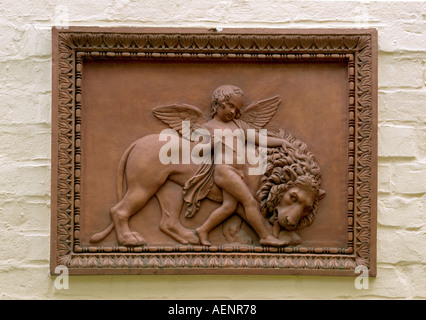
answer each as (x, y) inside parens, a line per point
(173, 115)
(260, 113)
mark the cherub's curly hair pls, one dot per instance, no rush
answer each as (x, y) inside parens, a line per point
(286, 169)
(221, 95)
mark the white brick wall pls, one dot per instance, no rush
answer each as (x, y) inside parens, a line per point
(25, 93)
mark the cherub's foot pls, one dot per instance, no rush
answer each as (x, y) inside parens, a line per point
(273, 242)
(204, 240)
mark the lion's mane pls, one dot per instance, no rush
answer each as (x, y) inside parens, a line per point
(286, 169)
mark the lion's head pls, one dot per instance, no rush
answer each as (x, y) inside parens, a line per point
(289, 192)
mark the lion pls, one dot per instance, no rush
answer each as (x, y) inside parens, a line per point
(288, 193)
(290, 179)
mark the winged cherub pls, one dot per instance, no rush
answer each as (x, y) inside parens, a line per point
(226, 106)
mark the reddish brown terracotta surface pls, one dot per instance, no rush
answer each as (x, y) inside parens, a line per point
(107, 83)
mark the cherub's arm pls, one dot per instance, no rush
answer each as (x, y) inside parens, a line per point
(272, 142)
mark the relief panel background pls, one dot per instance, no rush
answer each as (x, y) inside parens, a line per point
(117, 99)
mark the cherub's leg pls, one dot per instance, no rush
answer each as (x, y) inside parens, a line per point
(171, 201)
(228, 207)
(231, 182)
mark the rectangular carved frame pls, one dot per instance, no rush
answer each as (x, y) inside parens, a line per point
(358, 48)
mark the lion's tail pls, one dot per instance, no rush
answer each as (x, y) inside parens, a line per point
(102, 235)
(120, 171)
(120, 179)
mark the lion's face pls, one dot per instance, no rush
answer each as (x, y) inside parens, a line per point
(296, 203)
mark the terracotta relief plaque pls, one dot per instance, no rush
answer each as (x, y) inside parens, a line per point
(189, 151)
